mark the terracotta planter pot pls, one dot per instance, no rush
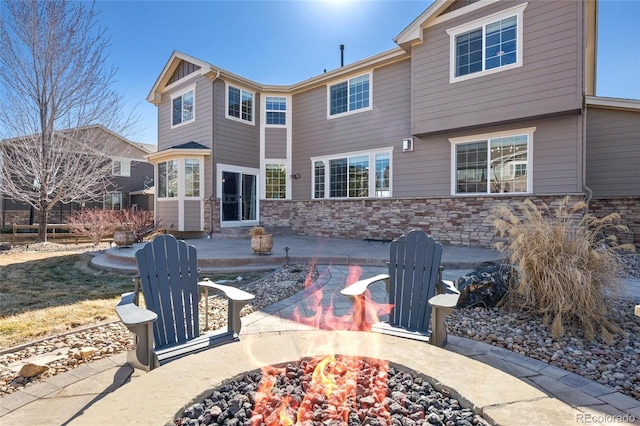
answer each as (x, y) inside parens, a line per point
(124, 238)
(262, 244)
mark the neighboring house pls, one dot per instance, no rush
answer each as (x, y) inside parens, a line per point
(482, 102)
(132, 178)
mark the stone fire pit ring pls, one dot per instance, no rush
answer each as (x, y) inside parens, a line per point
(161, 395)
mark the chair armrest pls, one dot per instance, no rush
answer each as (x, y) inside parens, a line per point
(131, 314)
(232, 293)
(449, 300)
(359, 287)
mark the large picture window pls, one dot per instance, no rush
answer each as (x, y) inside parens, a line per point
(488, 45)
(182, 108)
(358, 175)
(239, 104)
(493, 164)
(350, 95)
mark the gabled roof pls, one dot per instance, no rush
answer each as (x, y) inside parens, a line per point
(433, 15)
(163, 79)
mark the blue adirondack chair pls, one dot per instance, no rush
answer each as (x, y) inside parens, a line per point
(169, 327)
(413, 280)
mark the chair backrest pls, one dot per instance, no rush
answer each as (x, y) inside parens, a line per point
(169, 276)
(413, 277)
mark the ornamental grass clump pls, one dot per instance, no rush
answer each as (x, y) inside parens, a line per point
(568, 268)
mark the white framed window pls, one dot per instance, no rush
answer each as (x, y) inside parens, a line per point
(353, 175)
(180, 178)
(276, 111)
(183, 107)
(121, 168)
(168, 179)
(486, 46)
(276, 181)
(191, 177)
(113, 201)
(492, 163)
(240, 104)
(348, 96)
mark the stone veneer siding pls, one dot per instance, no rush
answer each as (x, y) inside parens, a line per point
(460, 221)
(629, 210)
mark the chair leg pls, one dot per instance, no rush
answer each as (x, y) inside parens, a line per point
(438, 328)
(142, 356)
(234, 323)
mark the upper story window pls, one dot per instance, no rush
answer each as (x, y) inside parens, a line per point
(240, 104)
(182, 107)
(351, 95)
(121, 168)
(276, 110)
(493, 163)
(486, 46)
(353, 176)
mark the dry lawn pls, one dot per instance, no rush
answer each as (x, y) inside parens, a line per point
(43, 293)
(47, 293)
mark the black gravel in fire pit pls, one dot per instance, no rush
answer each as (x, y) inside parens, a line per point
(378, 394)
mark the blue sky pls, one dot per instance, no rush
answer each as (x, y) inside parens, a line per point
(284, 42)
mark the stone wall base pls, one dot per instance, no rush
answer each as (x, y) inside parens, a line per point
(459, 221)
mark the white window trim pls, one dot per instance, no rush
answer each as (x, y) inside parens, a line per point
(372, 182)
(121, 161)
(528, 131)
(264, 109)
(181, 93)
(355, 111)
(226, 105)
(481, 23)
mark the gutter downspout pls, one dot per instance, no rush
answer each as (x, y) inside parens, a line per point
(585, 188)
(213, 154)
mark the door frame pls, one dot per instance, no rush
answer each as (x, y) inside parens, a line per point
(220, 168)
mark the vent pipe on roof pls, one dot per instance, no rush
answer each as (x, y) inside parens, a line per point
(342, 55)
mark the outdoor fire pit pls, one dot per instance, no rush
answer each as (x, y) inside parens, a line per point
(331, 390)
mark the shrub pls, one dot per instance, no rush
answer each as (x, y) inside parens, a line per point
(95, 224)
(567, 266)
(138, 221)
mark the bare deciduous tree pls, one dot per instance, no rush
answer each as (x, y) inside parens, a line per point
(55, 88)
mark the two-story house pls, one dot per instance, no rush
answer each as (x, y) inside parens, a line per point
(481, 102)
(131, 181)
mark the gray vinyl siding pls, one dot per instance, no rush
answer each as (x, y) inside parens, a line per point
(184, 69)
(236, 142)
(613, 149)
(385, 125)
(139, 171)
(199, 130)
(426, 172)
(192, 215)
(168, 214)
(549, 81)
(275, 143)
